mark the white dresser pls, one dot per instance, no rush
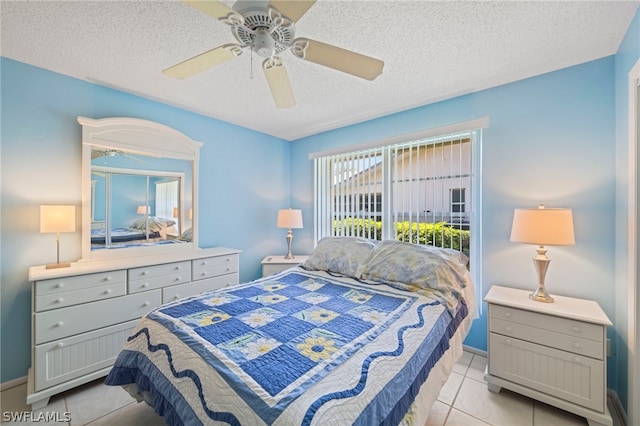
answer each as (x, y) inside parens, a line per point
(82, 315)
(552, 352)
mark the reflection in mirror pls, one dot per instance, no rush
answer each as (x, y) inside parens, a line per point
(139, 186)
(138, 207)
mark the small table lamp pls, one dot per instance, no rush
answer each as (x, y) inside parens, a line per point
(57, 219)
(289, 218)
(144, 210)
(544, 227)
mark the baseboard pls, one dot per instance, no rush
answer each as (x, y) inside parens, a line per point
(474, 350)
(13, 383)
(615, 409)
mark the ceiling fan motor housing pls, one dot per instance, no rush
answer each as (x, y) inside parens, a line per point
(254, 32)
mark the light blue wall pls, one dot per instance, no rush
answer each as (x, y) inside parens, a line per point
(244, 180)
(628, 55)
(551, 139)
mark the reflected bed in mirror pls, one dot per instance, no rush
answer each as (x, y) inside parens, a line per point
(139, 186)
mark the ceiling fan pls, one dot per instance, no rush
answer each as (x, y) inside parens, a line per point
(268, 30)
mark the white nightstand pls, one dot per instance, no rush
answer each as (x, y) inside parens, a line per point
(555, 353)
(273, 264)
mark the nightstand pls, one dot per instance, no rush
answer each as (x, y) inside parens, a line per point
(555, 353)
(273, 264)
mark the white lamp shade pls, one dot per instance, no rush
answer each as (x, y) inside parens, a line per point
(57, 219)
(289, 218)
(542, 226)
(144, 210)
(175, 212)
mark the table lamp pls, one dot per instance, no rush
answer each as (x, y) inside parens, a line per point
(289, 218)
(57, 219)
(543, 227)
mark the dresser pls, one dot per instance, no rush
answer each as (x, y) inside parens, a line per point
(555, 353)
(275, 264)
(83, 314)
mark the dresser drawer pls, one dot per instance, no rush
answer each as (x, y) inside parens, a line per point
(59, 323)
(147, 272)
(68, 298)
(213, 266)
(548, 322)
(158, 282)
(552, 339)
(567, 376)
(78, 282)
(176, 292)
(66, 359)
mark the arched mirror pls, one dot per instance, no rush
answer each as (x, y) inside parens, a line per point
(139, 188)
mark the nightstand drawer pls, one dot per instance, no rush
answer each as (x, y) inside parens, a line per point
(545, 337)
(548, 322)
(573, 378)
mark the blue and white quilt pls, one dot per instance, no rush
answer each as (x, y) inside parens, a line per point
(296, 348)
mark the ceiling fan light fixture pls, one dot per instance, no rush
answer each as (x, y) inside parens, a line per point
(263, 44)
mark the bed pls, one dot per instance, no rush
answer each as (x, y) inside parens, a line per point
(362, 333)
(135, 233)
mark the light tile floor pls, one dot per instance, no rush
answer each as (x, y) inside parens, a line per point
(464, 401)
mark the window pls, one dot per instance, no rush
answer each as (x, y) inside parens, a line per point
(423, 190)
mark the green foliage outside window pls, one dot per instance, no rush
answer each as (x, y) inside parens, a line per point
(437, 234)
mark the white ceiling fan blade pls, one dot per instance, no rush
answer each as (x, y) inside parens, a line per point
(337, 58)
(213, 8)
(203, 61)
(279, 83)
(292, 9)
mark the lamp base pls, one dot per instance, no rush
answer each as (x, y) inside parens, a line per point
(57, 265)
(540, 295)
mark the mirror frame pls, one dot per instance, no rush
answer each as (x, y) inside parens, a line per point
(143, 137)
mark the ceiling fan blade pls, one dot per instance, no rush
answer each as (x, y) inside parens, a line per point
(203, 61)
(212, 8)
(279, 83)
(337, 58)
(292, 9)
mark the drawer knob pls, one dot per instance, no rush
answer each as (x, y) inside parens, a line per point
(178, 278)
(576, 329)
(507, 341)
(204, 262)
(204, 273)
(59, 285)
(59, 300)
(59, 324)
(576, 345)
(107, 278)
(144, 272)
(228, 259)
(145, 304)
(578, 360)
(176, 297)
(508, 328)
(178, 268)
(107, 291)
(228, 269)
(507, 314)
(145, 285)
(60, 344)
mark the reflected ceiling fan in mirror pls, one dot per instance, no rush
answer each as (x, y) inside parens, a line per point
(98, 153)
(268, 29)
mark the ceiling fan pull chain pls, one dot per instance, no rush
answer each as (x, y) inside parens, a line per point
(251, 65)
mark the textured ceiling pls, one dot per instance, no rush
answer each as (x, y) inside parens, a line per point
(432, 50)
